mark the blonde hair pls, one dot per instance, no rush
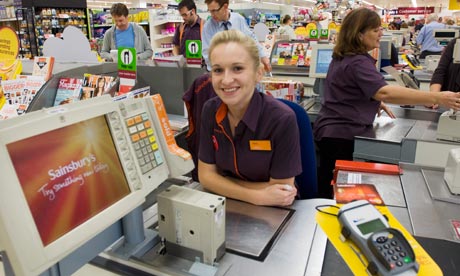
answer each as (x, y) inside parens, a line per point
(236, 36)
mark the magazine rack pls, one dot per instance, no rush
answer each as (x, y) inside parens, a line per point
(157, 78)
(290, 57)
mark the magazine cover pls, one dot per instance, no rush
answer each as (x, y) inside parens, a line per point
(86, 93)
(32, 86)
(100, 84)
(69, 90)
(14, 91)
(282, 54)
(299, 54)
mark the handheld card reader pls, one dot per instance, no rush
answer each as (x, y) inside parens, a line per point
(386, 249)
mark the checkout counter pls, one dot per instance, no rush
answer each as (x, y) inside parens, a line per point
(299, 247)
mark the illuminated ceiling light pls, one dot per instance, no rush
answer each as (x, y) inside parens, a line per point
(277, 4)
(378, 7)
(414, 3)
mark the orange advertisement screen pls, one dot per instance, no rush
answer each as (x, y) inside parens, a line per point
(68, 175)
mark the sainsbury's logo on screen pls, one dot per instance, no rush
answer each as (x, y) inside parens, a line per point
(89, 166)
(68, 175)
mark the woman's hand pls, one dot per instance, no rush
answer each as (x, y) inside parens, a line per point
(450, 100)
(384, 108)
(277, 195)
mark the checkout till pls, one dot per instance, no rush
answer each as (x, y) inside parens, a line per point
(123, 155)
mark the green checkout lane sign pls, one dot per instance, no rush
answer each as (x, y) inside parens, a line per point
(127, 59)
(313, 33)
(127, 63)
(193, 49)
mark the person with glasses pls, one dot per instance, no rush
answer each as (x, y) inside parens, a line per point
(223, 19)
(125, 34)
(190, 29)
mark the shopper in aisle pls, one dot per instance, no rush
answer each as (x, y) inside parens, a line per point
(125, 34)
(447, 74)
(285, 28)
(249, 142)
(190, 29)
(354, 92)
(223, 19)
(425, 38)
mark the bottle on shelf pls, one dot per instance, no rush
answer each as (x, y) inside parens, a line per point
(50, 22)
(163, 24)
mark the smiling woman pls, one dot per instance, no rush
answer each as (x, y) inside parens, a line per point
(249, 145)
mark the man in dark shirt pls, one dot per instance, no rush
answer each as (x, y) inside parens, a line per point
(190, 29)
(420, 25)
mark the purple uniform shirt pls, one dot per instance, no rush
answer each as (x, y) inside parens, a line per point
(192, 32)
(347, 107)
(268, 125)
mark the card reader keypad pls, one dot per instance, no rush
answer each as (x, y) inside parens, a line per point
(391, 249)
(144, 142)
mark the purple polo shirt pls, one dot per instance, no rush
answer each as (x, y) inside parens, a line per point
(347, 107)
(267, 121)
(192, 32)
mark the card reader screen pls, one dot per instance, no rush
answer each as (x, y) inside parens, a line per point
(370, 226)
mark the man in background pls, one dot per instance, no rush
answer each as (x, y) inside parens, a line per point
(190, 29)
(223, 19)
(430, 45)
(420, 25)
(125, 34)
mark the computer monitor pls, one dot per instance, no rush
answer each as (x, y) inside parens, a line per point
(385, 51)
(69, 172)
(444, 36)
(397, 36)
(321, 57)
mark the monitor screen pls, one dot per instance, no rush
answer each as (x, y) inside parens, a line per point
(72, 171)
(445, 33)
(321, 57)
(67, 174)
(385, 47)
(74, 164)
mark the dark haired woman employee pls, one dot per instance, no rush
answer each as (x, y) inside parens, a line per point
(354, 92)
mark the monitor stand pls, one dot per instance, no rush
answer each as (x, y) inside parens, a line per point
(6, 264)
(137, 240)
(318, 87)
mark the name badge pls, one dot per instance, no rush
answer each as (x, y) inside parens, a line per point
(263, 145)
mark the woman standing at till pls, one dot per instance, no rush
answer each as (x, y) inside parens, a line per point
(354, 92)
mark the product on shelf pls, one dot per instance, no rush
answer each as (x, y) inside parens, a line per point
(164, 22)
(43, 66)
(51, 22)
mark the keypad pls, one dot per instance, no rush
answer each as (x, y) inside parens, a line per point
(391, 250)
(144, 142)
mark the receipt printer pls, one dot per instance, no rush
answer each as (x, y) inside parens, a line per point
(449, 126)
(452, 171)
(192, 223)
